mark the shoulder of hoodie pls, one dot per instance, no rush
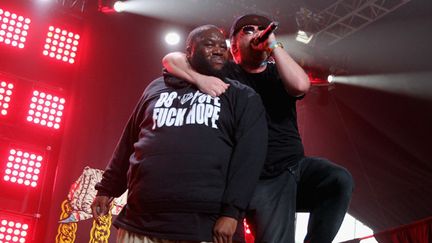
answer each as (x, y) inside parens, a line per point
(157, 83)
(153, 89)
(238, 88)
(167, 82)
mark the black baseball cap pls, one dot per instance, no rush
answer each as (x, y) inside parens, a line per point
(248, 19)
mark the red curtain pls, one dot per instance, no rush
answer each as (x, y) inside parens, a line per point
(418, 232)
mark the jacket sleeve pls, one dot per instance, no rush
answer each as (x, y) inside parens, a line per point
(114, 179)
(248, 155)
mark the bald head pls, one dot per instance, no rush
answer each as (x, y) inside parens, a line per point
(206, 49)
(198, 32)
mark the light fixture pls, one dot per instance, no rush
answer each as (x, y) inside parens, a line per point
(303, 36)
(13, 29)
(119, 6)
(172, 38)
(61, 44)
(5, 96)
(46, 109)
(23, 167)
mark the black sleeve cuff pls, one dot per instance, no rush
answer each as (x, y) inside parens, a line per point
(231, 211)
(100, 190)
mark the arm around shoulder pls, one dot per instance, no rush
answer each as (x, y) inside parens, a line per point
(177, 64)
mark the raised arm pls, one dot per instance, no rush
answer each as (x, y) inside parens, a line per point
(177, 64)
(294, 78)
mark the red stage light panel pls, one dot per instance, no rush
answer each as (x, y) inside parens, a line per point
(46, 109)
(61, 44)
(13, 28)
(13, 230)
(23, 167)
(5, 96)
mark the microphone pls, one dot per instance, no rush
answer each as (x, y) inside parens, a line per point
(265, 34)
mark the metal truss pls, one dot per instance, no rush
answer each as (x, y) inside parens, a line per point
(77, 5)
(343, 18)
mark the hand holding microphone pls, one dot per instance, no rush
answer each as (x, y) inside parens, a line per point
(265, 34)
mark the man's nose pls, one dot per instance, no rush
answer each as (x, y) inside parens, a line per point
(218, 50)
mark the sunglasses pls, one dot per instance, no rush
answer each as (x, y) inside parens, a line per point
(251, 29)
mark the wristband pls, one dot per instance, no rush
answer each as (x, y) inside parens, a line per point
(274, 45)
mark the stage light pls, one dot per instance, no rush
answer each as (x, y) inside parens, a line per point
(317, 78)
(13, 29)
(172, 38)
(61, 44)
(13, 229)
(119, 6)
(417, 85)
(5, 96)
(23, 167)
(303, 36)
(330, 78)
(46, 109)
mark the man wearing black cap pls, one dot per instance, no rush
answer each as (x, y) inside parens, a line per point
(290, 181)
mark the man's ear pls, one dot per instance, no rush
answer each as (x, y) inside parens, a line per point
(188, 51)
(234, 48)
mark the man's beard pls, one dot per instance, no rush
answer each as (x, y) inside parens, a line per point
(253, 58)
(202, 65)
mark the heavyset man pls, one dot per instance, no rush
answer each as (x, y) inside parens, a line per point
(190, 161)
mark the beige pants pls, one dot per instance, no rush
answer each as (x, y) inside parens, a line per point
(124, 236)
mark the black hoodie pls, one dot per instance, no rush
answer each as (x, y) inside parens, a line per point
(184, 151)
